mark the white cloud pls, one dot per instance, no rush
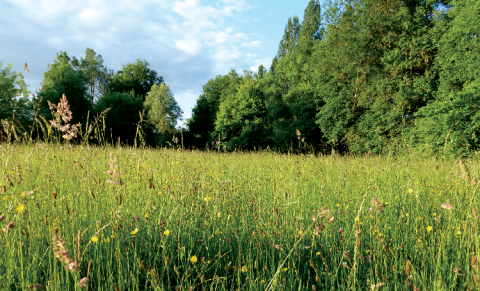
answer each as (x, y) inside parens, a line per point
(251, 44)
(186, 41)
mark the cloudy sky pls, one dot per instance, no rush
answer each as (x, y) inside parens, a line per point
(187, 42)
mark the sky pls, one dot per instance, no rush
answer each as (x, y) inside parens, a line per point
(187, 42)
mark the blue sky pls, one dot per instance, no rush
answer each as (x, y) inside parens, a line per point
(187, 42)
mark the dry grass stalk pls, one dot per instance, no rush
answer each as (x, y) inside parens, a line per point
(464, 170)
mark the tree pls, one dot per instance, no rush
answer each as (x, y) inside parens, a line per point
(452, 120)
(61, 78)
(163, 111)
(123, 116)
(95, 72)
(202, 123)
(11, 86)
(137, 76)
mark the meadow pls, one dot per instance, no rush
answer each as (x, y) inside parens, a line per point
(122, 218)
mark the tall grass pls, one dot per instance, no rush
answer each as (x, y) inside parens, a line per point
(141, 219)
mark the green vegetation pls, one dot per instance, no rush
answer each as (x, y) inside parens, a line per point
(357, 76)
(352, 76)
(138, 219)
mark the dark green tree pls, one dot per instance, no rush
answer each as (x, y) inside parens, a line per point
(123, 116)
(137, 76)
(61, 78)
(451, 122)
(202, 123)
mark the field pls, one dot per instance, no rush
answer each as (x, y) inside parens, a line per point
(80, 217)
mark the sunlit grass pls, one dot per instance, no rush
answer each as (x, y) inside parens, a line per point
(165, 219)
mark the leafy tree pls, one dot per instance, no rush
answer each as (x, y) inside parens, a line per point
(61, 78)
(11, 86)
(95, 72)
(163, 111)
(202, 123)
(137, 76)
(123, 116)
(452, 120)
(241, 117)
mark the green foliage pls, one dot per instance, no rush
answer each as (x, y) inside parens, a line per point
(163, 111)
(95, 72)
(137, 76)
(202, 123)
(11, 86)
(353, 79)
(451, 122)
(61, 78)
(122, 119)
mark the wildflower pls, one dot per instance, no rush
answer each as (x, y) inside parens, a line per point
(263, 281)
(136, 218)
(207, 199)
(159, 192)
(8, 227)
(340, 230)
(459, 232)
(22, 194)
(83, 282)
(446, 206)
(318, 253)
(332, 219)
(20, 208)
(95, 239)
(345, 265)
(219, 215)
(193, 259)
(134, 231)
(429, 228)
(166, 232)
(244, 269)
(420, 218)
(277, 246)
(410, 191)
(300, 232)
(285, 269)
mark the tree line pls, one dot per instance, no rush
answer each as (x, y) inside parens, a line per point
(353, 76)
(134, 96)
(358, 76)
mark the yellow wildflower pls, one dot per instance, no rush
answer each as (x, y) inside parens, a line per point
(429, 228)
(207, 199)
(135, 231)
(95, 239)
(167, 232)
(20, 208)
(193, 259)
(244, 269)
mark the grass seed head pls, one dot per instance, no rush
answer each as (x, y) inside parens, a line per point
(83, 282)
